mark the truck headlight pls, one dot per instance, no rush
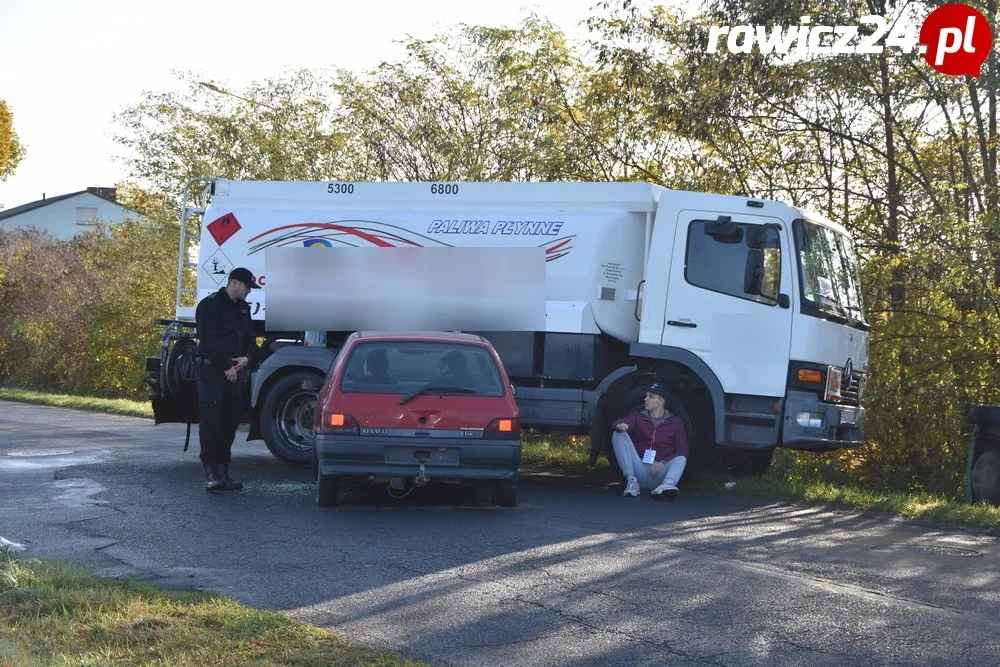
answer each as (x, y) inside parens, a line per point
(809, 420)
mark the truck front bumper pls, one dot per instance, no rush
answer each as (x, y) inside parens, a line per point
(812, 425)
(434, 458)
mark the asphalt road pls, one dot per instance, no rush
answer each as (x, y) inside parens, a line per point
(573, 576)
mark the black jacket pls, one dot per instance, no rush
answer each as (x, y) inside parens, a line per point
(225, 330)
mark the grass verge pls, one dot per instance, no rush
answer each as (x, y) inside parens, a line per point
(569, 455)
(118, 406)
(56, 614)
(566, 455)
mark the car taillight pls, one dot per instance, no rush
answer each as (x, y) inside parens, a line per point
(503, 429)
(337, 422)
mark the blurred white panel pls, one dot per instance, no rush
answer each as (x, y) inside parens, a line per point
(405, 289)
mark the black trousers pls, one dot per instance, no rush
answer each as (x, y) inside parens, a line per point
(220, 403)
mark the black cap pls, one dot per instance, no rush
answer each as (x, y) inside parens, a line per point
(244, 276)
(656, 388)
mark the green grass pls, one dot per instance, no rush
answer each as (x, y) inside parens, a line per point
(566, 455)
(118, 406)
(569, 456)
(56, 614)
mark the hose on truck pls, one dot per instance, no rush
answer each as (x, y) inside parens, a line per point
(179, 368)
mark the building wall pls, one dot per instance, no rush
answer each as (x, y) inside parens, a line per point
(66, 218)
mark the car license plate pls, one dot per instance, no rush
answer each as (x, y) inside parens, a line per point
(848, 416)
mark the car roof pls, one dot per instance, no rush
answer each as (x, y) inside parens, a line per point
(422, 336)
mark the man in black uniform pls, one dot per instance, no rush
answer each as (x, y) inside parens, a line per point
(226, 345)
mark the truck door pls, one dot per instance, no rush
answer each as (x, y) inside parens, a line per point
(726, 298)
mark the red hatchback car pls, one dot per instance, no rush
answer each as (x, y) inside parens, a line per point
(411, 408)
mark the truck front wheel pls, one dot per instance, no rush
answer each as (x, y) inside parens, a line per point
(286, 418)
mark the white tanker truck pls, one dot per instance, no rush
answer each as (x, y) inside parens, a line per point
(748, 310)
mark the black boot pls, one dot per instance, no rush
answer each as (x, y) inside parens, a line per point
(231, 484)
(214, 479)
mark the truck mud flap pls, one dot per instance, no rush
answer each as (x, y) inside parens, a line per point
(168, 410)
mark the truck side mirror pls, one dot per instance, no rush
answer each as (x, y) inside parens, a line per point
(753, 273)
(757, 238)
(724, 230)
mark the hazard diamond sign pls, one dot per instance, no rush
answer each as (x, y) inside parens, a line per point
(222, 229)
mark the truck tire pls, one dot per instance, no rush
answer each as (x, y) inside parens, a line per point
(327, 490)
(986, 476)
(286, 418)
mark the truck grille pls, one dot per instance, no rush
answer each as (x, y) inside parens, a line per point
(850, 394)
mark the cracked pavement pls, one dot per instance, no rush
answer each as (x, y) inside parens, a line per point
(573, 576)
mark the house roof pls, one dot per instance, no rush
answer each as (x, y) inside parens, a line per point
(103, 193)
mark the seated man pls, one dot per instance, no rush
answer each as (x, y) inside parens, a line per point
(654, 455)
(377, 368)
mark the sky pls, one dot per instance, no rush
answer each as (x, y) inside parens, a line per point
(67, 66)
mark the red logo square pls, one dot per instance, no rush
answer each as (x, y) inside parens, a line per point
(222, 229)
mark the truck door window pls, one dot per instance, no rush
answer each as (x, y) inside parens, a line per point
(749, 269)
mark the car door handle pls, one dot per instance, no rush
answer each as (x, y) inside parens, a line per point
(675, 323)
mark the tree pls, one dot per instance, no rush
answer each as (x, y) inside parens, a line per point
(905, 157)
(279, 129)
(11, 151)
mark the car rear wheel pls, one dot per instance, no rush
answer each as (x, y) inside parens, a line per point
(327, 490)
(286, 417)
(505, 492)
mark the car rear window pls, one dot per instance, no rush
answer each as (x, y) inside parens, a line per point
(400, 367)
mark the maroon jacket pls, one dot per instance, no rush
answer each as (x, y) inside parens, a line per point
(668, 439)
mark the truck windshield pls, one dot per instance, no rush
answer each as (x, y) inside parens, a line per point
(829, 273)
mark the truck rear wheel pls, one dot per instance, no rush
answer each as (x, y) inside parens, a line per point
(286, 418)
(986, 476)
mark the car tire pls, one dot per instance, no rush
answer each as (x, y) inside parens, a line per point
(315, 464)
(286, 418)
(505, 492)
(327, 490)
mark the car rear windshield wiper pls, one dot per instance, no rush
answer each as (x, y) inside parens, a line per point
(436, 388)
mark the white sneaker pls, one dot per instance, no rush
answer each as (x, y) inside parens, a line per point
(665, 491)
(632, 488)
